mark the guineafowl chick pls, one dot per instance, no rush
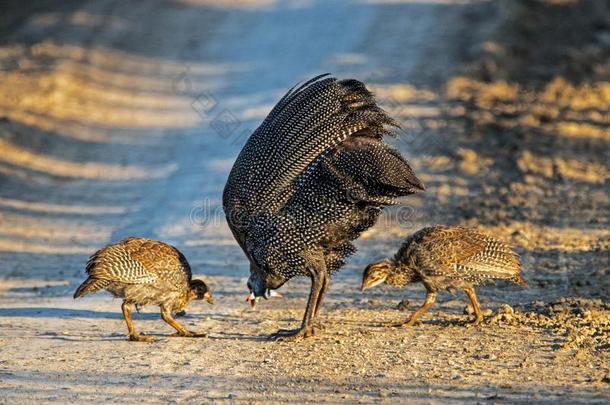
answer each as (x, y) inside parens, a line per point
(446, 258)
(145, 272)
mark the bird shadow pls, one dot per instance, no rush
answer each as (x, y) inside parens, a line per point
(55, 336)
(226, 318)
(239, 336)
(45, 312)
(352, 322)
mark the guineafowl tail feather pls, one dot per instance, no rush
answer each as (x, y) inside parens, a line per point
(90, 285)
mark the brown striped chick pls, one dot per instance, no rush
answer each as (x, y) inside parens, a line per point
(145, 272)
(446, 258)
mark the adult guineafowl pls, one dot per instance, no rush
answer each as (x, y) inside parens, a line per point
(309, 181)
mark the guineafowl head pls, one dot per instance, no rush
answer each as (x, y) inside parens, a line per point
(377, 273)
(198, 290)
(260, 286)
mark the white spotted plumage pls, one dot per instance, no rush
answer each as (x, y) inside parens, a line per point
(289, 191)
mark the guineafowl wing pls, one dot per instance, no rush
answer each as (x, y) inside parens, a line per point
(161, 260)
(117, 263)
(466, 254)
(308, 122)
(372, 170)
(496, 261)
(441, 251)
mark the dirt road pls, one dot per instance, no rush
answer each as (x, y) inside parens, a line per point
(123, 118)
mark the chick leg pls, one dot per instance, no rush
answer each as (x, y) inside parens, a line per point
(134, 336)
(430, 299)
(166, 314)
(475, 305)
(318, 284)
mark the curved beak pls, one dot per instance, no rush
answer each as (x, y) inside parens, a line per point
(208, 297)
(251, 299)
(370, 283)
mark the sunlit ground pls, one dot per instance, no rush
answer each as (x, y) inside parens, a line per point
(109, 127)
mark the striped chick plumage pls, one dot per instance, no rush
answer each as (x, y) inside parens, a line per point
(144, 272)
(447, 258)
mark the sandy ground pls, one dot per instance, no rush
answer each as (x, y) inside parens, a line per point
(123, 118)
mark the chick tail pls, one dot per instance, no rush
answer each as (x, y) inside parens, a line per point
(520, 280)
(90, 285)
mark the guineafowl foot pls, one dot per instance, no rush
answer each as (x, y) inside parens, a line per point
(141, 338)
(405, 324)
(414, 318)
(292, 335)
(319, 326)
(474, 322)
(188, 334)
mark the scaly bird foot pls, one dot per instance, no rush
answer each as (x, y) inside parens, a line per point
(141, 338)
(287, 335)
(474, 322)
(404, 324)
(188, 334)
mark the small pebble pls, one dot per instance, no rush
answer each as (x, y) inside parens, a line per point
(505, 309)
(403, 305)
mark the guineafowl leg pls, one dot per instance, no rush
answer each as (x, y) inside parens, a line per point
(325, 286)
(318, 283)
(134, 336)
(475, 305)
(166, 314)
(430, 299)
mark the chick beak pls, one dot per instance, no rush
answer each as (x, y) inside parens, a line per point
(209, 299)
